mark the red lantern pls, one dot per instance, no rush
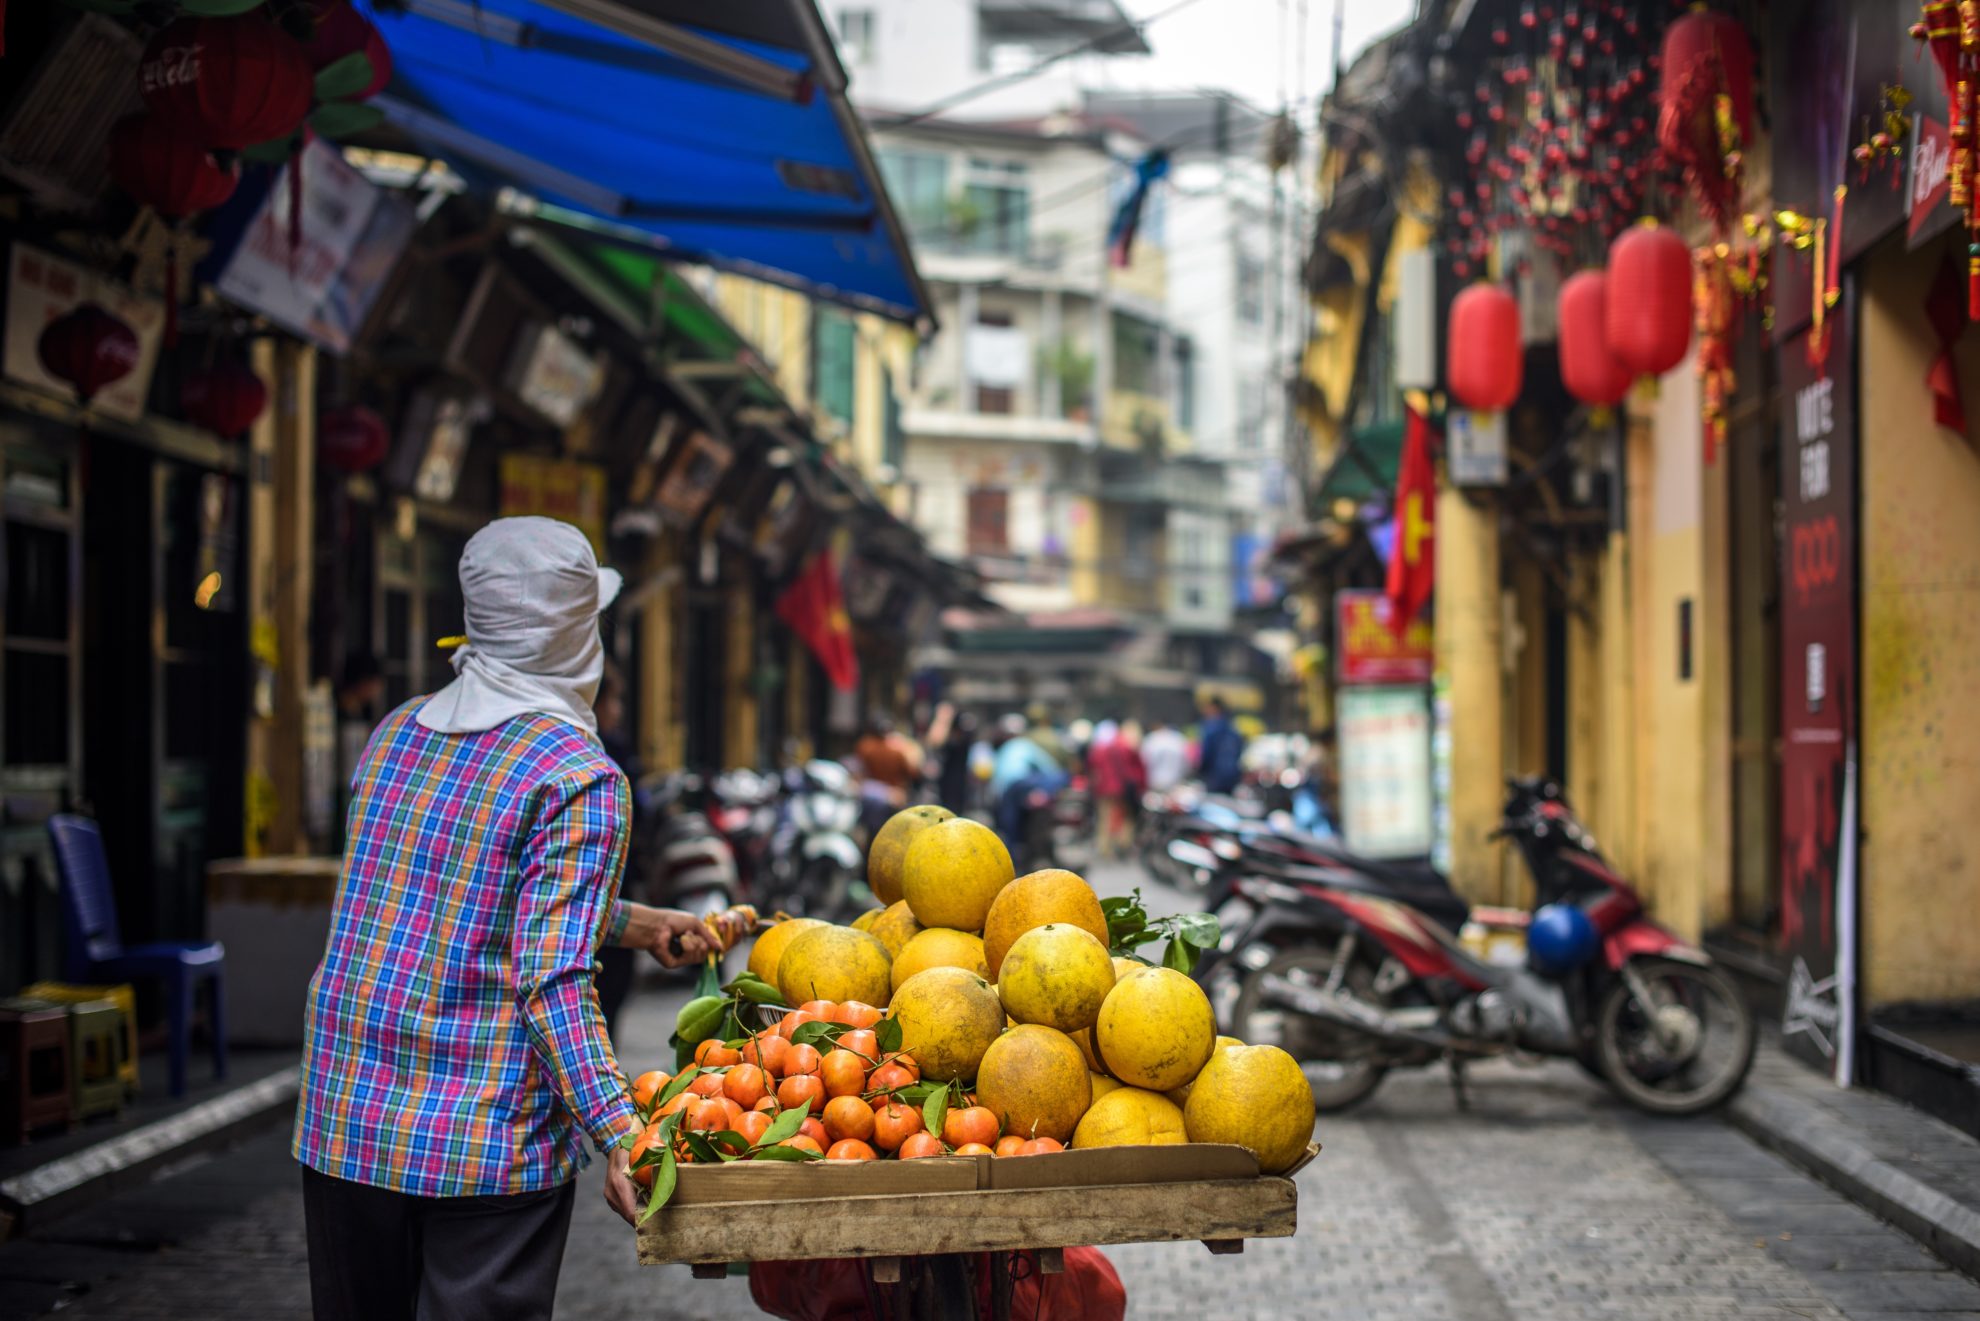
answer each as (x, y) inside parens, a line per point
(1588, 369)
(1707, 63)
(89, 348)
(165, 165)
(225, 399)
(1649, 299)
(342, 31)
(238, 80)
(352, 438)
(1486, 356)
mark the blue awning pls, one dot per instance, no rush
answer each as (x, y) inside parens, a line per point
(708, 145)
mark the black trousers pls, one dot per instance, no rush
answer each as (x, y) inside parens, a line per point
(379, 1255)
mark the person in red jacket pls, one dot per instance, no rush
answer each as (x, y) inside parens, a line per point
(1119, 779)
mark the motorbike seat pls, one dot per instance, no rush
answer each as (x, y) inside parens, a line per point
(1437, 900)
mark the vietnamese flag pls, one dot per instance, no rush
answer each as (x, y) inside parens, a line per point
(1413, 557)
(816, 612)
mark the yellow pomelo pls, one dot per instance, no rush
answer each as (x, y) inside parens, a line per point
(865, 921)
(938, 947)
(1029, 902)
(895, 927)
(953, 872)
(1056, 975)
(1035, 1081)
(1130, 1117)
(1256, 1097)
(1156, 1029)
(1100, 1083)
(834, 963)
(1122, 967)
(889, 848)
(1180, 1095)
(948, 1018)
(769, 947)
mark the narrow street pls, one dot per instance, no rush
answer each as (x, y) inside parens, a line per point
(1546, 1199)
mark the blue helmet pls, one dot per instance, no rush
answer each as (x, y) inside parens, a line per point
(1560, 939)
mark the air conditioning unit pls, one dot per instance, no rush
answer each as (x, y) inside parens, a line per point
(55, 143)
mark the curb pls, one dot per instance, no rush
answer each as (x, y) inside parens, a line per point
(68, 1183)
(1827, 1150)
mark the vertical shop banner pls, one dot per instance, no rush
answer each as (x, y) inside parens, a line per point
(1384, 738)
(1818, 689)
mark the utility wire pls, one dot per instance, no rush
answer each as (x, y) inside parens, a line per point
(988, 85)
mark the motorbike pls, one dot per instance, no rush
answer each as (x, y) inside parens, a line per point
(821, 865)
(678, 859)
(1357, 968)
(746, 809)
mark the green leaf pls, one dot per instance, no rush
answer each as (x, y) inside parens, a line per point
(708, 981)
(704, 1150)
(755, 990)
(275, 151)
(784, 1153)
(1115, 903)
(888, 1033)
(677, 1086)
(1179, 956)
(218, 8)
(700, 1018)
(786, 1124)
(1199, 929)
(626, 1141)
(820, 1035)
(343, 78)
(934, 1110)
(916, 1093)
(730, 1139)
(343, 119)
(663, 1184)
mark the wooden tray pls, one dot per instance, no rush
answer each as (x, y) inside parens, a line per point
(786, 1212)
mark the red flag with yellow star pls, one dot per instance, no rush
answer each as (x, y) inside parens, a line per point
(1413, 558)
(816, 611)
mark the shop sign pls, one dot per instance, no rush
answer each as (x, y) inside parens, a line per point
(1384, 736)
(693, 476)
(563, 489)
(1818, 691)
(1475, 447)
(1372, 652)
(1931, 181)
(552, 373)
(42, 287)
(320, 278)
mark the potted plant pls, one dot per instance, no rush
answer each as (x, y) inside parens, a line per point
(1073, 370)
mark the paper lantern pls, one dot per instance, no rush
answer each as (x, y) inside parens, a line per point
(1705, 104)
(89, 348)
(1486, 356)
(238, 81)
(352, 438)
(1588, 369)
(341, 31)
(1649, 299)
(165, 165)
(225, 399)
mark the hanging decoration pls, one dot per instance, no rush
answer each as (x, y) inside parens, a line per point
(1649, 299)
(1952, 33)
(1705, 106)
(225, 398)
(1727, 283)
(164, 163)
(1589, 370)
(89, 348)
(348, 52)
(239, 80)
(352, 438)
(1946, 313)
(1487, 358)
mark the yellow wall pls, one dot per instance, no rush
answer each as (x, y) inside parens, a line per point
(1468, 629)
(1920, 593)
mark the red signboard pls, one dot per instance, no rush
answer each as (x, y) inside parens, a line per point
(1368, 650)
(1818, 685)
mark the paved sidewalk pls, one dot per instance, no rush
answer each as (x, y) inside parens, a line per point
(1897, 1162)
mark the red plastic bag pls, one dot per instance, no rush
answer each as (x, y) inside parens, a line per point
(839, 1290)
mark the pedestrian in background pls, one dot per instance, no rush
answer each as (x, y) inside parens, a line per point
(454, 1055)
(1220, 751)
(1164, 756)
(1118, 780)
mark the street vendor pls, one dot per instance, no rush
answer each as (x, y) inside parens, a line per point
(455, 1055)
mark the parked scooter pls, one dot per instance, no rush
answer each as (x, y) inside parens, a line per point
(677, 858)
(820, 864)
(1336, 966)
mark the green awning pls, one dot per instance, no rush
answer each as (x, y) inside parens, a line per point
(1365, 467)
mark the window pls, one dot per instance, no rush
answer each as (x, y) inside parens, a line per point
(856, 35)
(989, 520)
(919, 184)
(893, 439)
(995, 211)
(1250, 290)
(833, 340)
(1134, 355)
(1185, 384)
(1000, 399)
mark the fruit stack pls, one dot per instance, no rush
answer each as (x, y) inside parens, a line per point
(1010, 1028)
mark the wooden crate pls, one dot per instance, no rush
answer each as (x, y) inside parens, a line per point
(789, 1212)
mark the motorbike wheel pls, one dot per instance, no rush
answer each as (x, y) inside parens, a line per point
(1340, 1057)
(1688, 1051)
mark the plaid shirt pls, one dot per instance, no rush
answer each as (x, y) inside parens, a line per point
(453, 1043)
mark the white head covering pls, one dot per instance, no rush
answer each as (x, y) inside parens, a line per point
(532, 591)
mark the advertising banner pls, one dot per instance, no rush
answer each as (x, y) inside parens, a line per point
(1818, 689)
(1384, 736)
(1369, 650)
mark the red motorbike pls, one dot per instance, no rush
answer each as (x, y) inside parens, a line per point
(1331, 964)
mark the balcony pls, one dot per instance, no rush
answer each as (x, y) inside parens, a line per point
(954, 424)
